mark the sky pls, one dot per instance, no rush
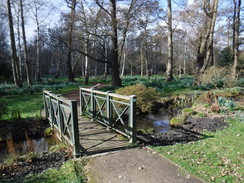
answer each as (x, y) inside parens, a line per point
(54, 17)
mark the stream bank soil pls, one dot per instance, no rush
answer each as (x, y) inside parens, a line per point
(191, 130)
(36, 164)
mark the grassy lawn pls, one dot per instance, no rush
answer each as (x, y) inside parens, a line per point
(28, 105)
(216, 159)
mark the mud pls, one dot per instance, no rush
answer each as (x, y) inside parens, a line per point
(191, 130)
(21, 167)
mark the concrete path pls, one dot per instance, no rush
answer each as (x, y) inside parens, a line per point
(135, 166)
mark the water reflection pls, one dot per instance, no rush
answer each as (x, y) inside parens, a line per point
(160, 121)
(20, 148)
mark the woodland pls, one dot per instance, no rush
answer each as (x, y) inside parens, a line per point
(118, 38)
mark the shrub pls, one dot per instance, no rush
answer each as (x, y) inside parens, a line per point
(219, 77)
(146, 96)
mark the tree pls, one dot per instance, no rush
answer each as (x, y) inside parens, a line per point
(5, 66)
(205, 44)
(39, 16)
(169, 71)
(71, 23)
(146, 18)
(115, 58)
(15, 60)
(27, 61)
(226, 57)
(236, 34)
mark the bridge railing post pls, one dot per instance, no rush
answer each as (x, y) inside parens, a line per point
(60, 117)
(132, 119)
(75, 128)
(81, 101)
(109, 109)
(45, 105)
(93, 105)
(51, 112)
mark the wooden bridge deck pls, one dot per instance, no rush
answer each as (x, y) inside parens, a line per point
(94, 138)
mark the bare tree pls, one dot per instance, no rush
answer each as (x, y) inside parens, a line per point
(205, 46)
(15, 61)
(39, 17)
(169, 71)
(236, 34)
(115, 57)
(27, 61)
(72, 5)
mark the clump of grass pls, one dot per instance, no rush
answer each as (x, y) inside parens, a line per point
(48, 132)
(177, 120)
(71, 171)
(58, 147)
(187, 111)
(201, 115)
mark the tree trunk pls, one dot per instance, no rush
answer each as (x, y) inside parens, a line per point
(105, 64)
(146, 60)
(116, 81)
(15, 61)
(20, 74)
(38, 76)
(71, 75)
(205, 48)
(142, 60)
(27, 61)
(123, 64)
(236, 30)
(86, 65)
(209, 49)
(169, 71)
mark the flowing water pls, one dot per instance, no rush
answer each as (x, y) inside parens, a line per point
(160, 121)
(19, 148)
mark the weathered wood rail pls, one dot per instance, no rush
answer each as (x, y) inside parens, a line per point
(117, 112)
(62, 115)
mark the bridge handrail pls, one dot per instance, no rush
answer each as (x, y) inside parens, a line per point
(62, 115)
(104, 110)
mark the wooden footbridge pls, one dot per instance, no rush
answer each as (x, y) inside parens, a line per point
(104, 122)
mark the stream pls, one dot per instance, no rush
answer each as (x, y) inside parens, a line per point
(160, 121)
(19, 148)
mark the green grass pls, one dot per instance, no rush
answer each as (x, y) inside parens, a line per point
(28, 105)
(71, 172)
(217, 159)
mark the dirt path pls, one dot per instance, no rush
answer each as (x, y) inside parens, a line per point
(135, 166)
